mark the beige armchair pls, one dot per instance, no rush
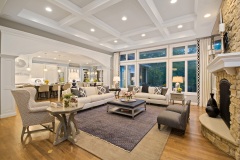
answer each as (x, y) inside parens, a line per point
(66, 86)
(32, 113)
(43, 89)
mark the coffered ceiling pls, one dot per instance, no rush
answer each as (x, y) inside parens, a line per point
(99, 23)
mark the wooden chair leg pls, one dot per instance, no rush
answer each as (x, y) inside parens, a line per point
(23, 131)
(159, 126)
(53, 126)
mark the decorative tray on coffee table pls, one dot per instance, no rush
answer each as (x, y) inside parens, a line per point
(130, 100)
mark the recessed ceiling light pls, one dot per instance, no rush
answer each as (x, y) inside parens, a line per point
(48, 9)
(87, 63)
(207, 15)
(173, 1)
(115, 41)
(143, 35)
(55, 51)
(69, 60)
(180, 26)
(39, 56)
(54, 58)
(124, 18)
(92, 30)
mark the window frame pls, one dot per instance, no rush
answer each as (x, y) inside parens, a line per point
(127, 53)
(151, 49)
(186, 44)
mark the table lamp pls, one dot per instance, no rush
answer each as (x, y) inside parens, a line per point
(177, 80)
(116, 79)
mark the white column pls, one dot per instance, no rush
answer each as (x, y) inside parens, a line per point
(7, 72)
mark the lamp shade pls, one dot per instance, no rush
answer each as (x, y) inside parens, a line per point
(116, 78)
(178, 79)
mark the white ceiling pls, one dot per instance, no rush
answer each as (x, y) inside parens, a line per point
(157, 19)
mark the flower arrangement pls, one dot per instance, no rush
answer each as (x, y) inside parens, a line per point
(179, 90)
(66, 99)
(128, 95)
(46, 81)
(73, 101)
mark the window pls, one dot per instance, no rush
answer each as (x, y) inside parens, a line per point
(192, 80)
(131, 56)
(178, 69)
(153, 54)
(179, 50)
(217, 45)
(152, 74)
(130, 75)
(192, 49)
(122, 77)
(123, 57)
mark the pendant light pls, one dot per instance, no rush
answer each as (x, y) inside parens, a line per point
(45, 69)
(28, 68)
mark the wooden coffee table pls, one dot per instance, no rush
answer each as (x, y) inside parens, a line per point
(126, 108)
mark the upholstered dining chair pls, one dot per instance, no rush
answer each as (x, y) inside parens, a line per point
(54, 90)
(66, 86)
(31, 112)
(43, 89)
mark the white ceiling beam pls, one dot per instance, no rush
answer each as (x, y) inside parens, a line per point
(151, 10)
(180, 20)
(68, 6)
(69, 20)
(98, 5)
(141, 30)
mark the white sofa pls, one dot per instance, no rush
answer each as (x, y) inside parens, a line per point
(150, 97)
(93, 98)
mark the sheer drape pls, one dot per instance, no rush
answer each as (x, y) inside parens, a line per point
(116, 64)
(205, 76)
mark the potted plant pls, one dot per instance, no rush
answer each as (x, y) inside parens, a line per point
(179, 90)
(66, 100)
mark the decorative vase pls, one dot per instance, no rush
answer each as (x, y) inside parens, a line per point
(212, 109)
(65, 102)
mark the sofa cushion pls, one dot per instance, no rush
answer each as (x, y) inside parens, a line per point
(158, 90)
(91, 90)
(107, 89)
(157, 96)
(82, 92)
(130, 88)
(107, 95)
(101, 90)
(142, 95)
(95, 98)
(84, 100)
(145, 88)
(75, 92)
(164, 90)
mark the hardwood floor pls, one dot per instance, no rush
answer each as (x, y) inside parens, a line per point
(39, 146)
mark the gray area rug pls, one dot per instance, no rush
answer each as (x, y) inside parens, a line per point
(119, 130)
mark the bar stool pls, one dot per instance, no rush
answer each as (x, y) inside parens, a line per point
(66, 86)
(43, 89)
(54, 90)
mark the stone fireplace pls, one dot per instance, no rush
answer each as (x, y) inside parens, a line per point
(225, 132)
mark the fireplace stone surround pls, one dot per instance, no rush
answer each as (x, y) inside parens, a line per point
(225, 66)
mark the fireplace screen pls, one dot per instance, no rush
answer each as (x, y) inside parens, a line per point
(225, 101)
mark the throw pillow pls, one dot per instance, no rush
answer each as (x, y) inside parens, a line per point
(107, 89)
(136, 89)
(75, 92)
(130, 88)
(164, 91)
(157, 90)
(101, 90)
(145, 88)
(82, 92)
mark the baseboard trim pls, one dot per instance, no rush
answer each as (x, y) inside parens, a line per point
(8, 115)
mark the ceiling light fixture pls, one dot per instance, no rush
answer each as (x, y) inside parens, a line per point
(28, 68)
(45, 69)
(39, 56)
(173, 1)
(124, 18)
(92, 30)
(48, 9)
(207, 15)
(69, 60)
(180, 26)
(54, 58)
(59, 70)
(115, 41)
(143, 35)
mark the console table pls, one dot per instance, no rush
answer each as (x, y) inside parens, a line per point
(177, 97)
(67, 126)
(117, 91)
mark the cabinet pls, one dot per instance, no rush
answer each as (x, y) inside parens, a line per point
(177, 97)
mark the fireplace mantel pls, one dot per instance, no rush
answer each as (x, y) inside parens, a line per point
(227, 62)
